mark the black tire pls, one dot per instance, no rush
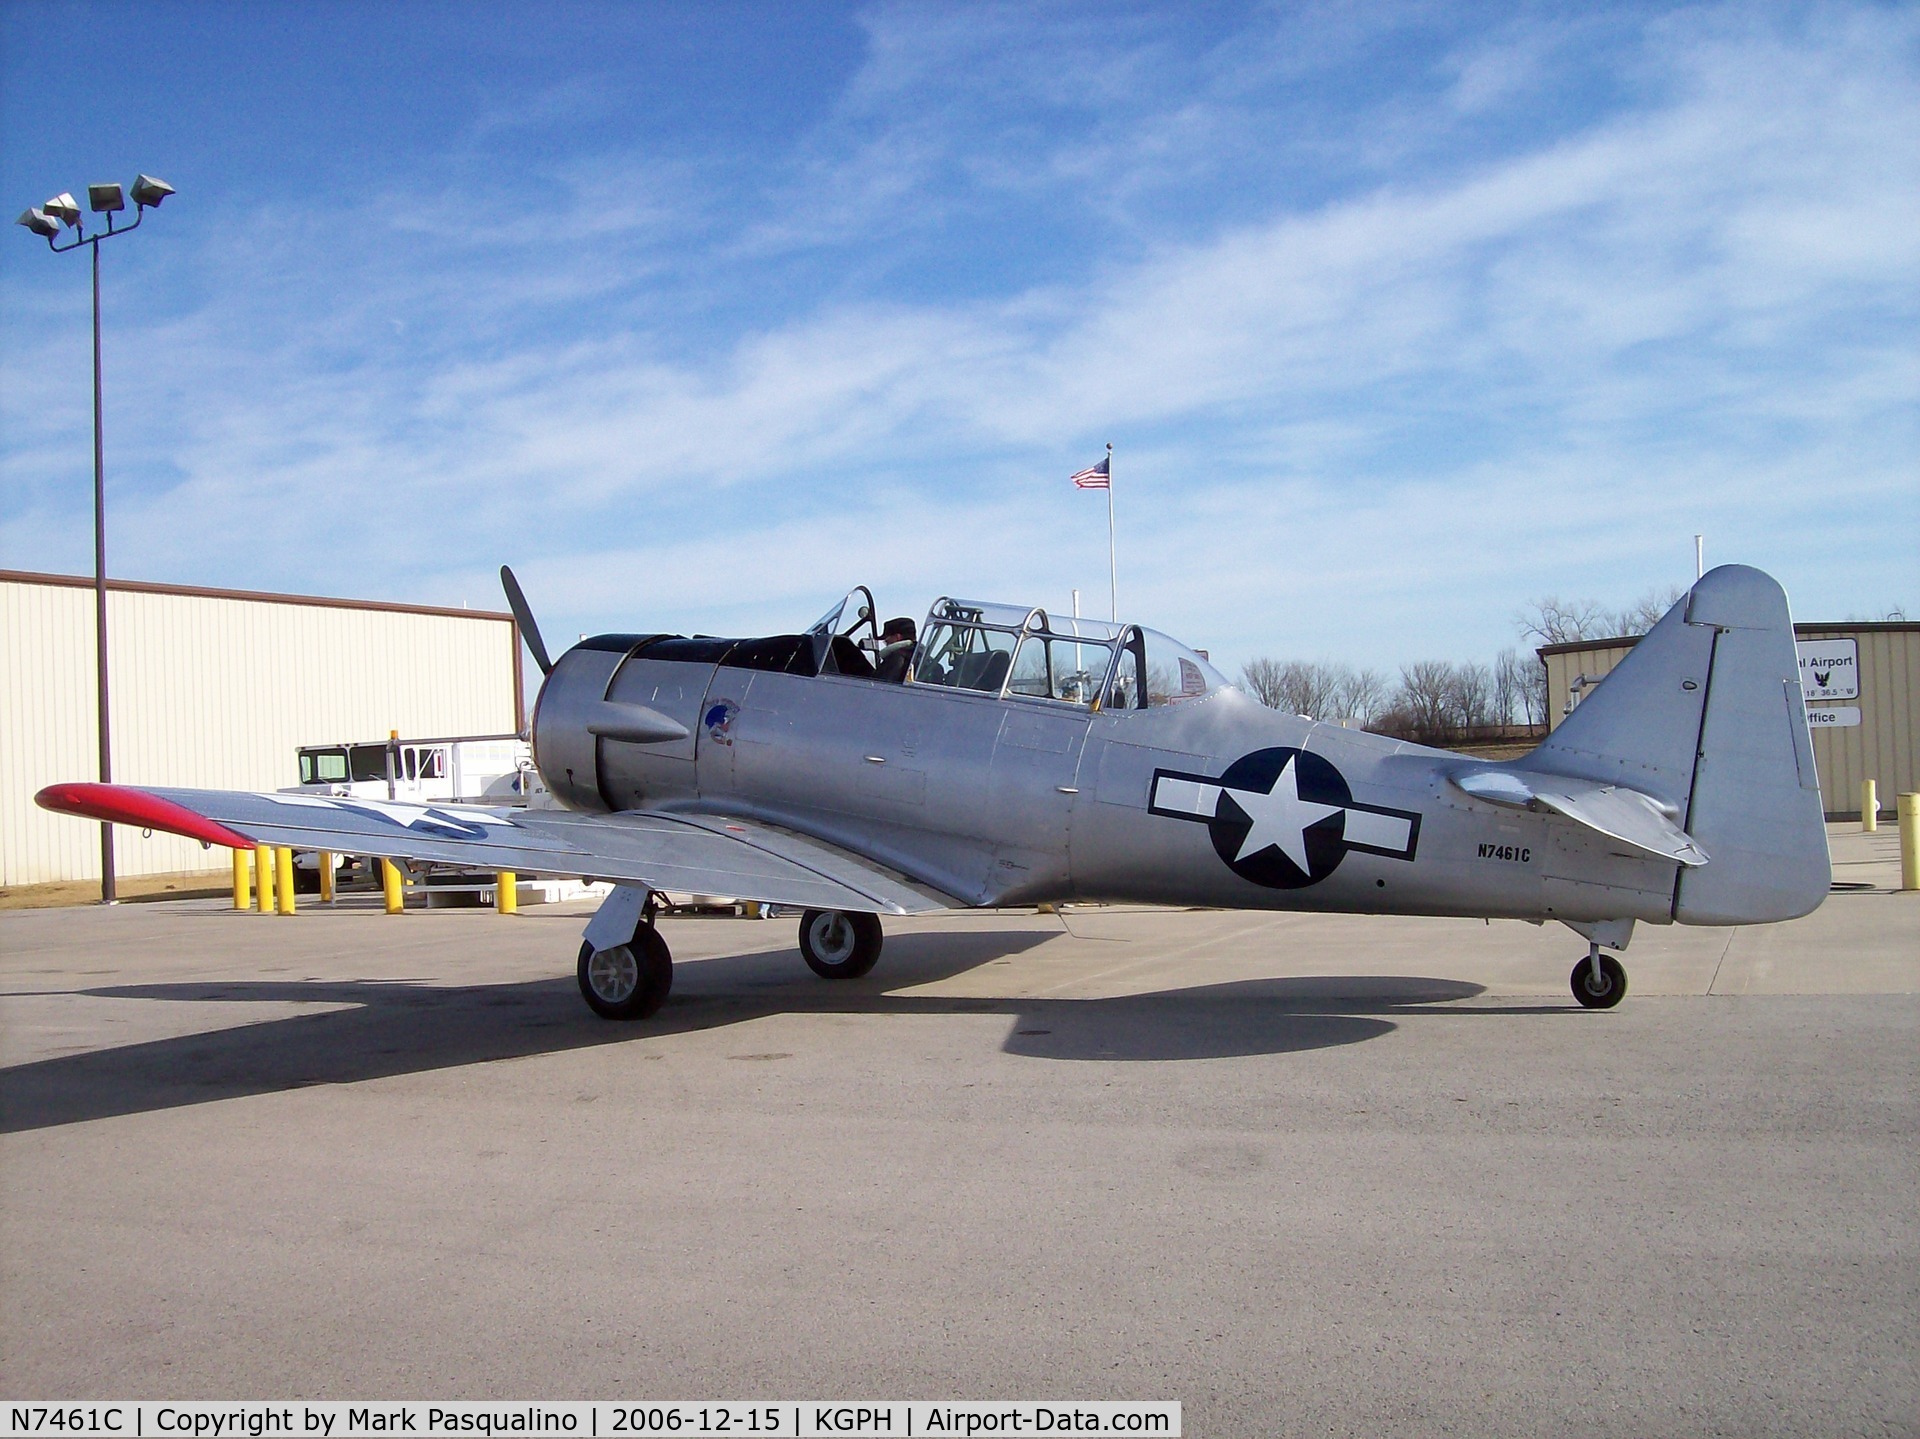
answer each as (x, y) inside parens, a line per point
(627, 981)
(306, 881)
(839, 945)
(1613, 983)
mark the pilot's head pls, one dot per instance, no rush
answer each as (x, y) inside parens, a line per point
(898, 630)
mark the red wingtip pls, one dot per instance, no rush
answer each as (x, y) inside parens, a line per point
(122, 805)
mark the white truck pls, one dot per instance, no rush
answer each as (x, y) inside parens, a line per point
(475, 769)
(495, 769)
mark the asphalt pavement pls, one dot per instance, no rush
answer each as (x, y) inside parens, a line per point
(1307, 1175)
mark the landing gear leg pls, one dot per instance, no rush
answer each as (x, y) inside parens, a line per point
(629, 979)
(1599, 981)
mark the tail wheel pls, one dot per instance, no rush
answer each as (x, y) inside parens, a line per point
(1601, 992)
(839, 945)
(627, 981)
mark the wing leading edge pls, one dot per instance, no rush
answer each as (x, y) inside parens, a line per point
(703, 854)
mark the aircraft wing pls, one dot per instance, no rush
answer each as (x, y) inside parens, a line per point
(696, 853)
(1622, 814)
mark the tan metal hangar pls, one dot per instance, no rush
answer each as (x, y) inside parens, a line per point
(218, 688)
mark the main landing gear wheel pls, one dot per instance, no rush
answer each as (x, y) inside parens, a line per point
(627, 981)
(839, 945)
(1605, 991)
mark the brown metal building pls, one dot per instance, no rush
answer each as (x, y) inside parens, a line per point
(1861, 712)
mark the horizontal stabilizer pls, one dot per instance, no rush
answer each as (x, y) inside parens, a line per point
(1626, 815)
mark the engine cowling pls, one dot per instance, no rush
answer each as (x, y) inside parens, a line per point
(596, 744)
(565, 750)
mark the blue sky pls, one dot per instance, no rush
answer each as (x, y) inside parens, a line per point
(1398, 316)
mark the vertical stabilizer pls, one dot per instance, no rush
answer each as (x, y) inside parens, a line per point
(1640, 727)
(1756, 797)
(1705, 715)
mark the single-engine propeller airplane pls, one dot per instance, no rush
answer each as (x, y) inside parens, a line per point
(1023, 758)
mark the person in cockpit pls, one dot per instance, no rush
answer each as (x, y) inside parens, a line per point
(896, 650)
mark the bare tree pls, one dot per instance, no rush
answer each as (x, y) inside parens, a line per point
(1644, 613)
(1261, 679)
(1361, 696)
(1554, 621)
(1423, 706)
(1470, 697)
(1516, 678)
(1293, 686)
(1315, 688)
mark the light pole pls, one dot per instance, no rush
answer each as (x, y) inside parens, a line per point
(47, 221)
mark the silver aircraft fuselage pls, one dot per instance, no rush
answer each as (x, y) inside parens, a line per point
(999, 799)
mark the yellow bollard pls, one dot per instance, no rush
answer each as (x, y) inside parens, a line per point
(283, 877)
(242, 879)
(390, 882)
(506, 892)
(1870, 806)
(263, 876)
(326, 876)
(1907, 807)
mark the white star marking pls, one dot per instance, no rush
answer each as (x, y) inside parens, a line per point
(410, 815)
(1280, 819)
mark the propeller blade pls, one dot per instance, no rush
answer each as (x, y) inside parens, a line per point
(523, 613)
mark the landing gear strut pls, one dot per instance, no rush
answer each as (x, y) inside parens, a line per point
(629, 980)
(1599, 981)
(839, 945)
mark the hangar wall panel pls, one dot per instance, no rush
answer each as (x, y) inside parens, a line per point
(1883, 747)
(216, 690)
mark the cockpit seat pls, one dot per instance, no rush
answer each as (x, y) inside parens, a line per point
(982, 671)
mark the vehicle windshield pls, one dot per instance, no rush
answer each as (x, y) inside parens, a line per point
(368, 761)
(323, 766)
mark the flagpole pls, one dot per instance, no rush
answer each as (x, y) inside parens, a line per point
(1113, 569)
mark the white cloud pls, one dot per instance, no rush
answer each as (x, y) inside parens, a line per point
(1371, 424)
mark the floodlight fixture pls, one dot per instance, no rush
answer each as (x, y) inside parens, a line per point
(40, 222)
(103, 199)
(149, 191)
(63, 208)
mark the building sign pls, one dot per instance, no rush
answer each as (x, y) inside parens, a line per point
(1830, 670)
(1833, 717)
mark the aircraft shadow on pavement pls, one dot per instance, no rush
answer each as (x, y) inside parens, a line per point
(406, 1027)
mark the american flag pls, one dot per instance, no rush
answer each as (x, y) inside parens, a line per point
(1095, 478)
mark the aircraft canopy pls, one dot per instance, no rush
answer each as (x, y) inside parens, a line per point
(1025, 652)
